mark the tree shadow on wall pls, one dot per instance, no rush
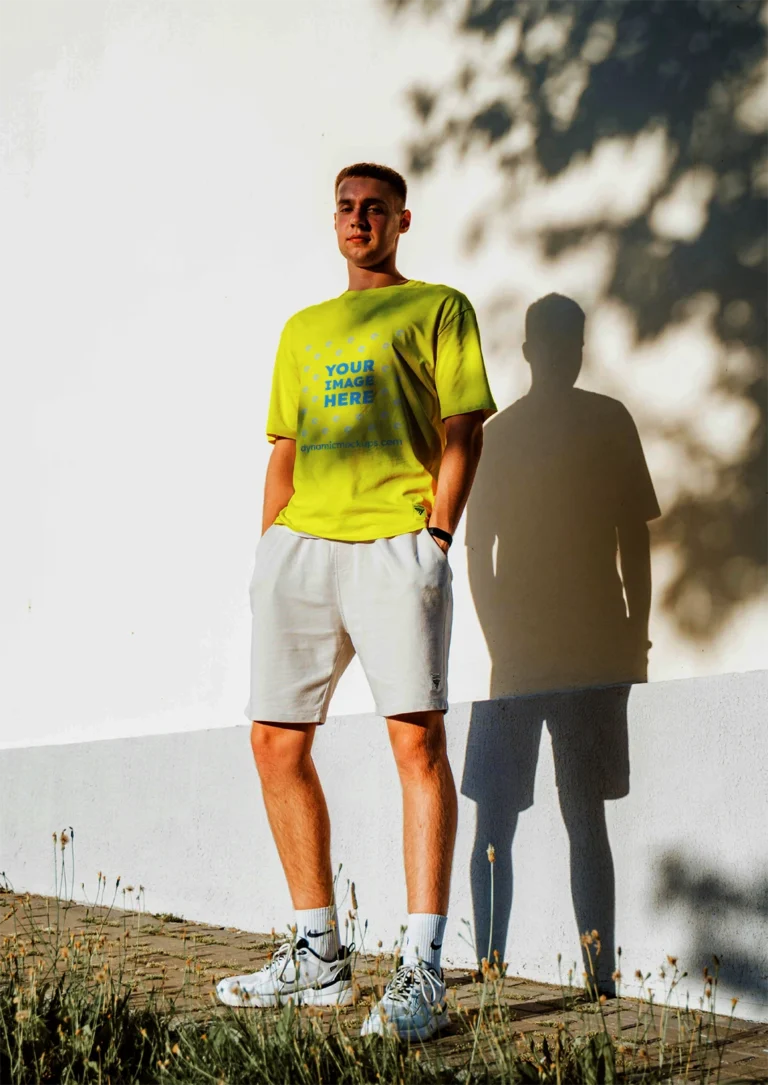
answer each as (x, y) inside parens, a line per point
(722, 919)
(543, 88)
(562, 486)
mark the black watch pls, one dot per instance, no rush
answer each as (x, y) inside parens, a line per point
(438, 533)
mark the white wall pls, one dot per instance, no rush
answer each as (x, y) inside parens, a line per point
(167, 198)
(182, 816)
(166, 193)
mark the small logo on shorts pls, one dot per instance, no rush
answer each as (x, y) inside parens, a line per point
(420, 509)
(436, 681)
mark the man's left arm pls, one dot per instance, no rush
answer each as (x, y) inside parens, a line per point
(464, 444)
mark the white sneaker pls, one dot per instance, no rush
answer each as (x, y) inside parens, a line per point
(413, 1006)
(295, 973)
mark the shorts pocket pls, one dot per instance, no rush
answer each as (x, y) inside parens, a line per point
(434, 544)
(264, 550)
(264, 536)
(432, 556)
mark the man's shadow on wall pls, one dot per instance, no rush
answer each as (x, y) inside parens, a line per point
(562, 489)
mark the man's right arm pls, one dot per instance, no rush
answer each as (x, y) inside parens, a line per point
(278, 485)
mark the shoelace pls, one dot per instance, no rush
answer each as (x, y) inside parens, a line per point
(279, 958)
(407, 977)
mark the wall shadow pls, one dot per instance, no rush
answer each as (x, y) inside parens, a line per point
(562, 492)
(718, 915)
(588, 730)
(538, 91)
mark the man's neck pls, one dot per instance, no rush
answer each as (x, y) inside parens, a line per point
(371, 278)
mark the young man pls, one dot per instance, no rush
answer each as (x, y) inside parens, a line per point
(376, 415)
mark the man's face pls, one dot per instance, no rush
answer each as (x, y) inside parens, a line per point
(369, 220)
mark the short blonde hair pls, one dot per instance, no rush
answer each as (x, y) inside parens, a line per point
(379, 173)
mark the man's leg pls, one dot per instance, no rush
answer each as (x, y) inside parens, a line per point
(413, 1004)
(299, 649)
(313, 967)
(296, 809)
(429, 808)
(397, 607)
(429, 830)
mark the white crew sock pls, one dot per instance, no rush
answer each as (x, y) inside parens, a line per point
(320, 927)
(424, 939)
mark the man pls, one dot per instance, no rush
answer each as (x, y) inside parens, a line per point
(376, 415)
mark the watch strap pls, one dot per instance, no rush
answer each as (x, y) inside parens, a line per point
(438, 533)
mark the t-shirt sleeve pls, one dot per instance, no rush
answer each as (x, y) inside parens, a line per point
(635, 493)
(460, 377)
(283, 415)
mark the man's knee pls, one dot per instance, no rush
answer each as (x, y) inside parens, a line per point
(278, 749)
(418, 743)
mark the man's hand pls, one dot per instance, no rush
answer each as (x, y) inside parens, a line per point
(278, 485)
(444, 546)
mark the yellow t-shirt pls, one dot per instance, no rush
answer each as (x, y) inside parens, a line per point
(362, 383)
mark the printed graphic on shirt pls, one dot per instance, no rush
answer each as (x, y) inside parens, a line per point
(362, 383)
(327, 419)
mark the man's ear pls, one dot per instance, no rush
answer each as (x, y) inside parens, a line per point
(405, 221)
(526, 353)
(334, 220)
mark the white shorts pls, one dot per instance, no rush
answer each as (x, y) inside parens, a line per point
(315, 602)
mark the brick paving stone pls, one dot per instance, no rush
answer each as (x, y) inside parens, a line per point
(181, 962)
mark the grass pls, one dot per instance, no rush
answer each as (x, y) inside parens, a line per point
(73, 1009)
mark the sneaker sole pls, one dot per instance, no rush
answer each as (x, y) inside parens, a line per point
(337, 994)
